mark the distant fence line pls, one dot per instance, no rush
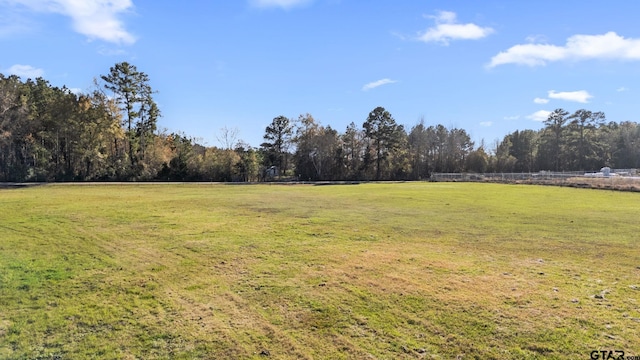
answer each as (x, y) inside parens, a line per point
(542, 175)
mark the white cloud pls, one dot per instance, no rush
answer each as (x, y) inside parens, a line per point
(375, 84)
(284, 4)
(25, 71)
(581, 96)
(540, 100)
(622, 89)
(578, 47)
(448, 29)
(540, 115)
(515, 117)
(96, 19)
(486, 123)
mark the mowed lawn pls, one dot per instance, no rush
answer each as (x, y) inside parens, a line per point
(386, 271)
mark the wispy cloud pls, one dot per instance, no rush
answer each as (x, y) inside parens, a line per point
(540, 100)
(25, 71)
(12, 22)
(375, 84)
(578, 47)
(581, 96)
(400, 35)
(486, 123)
(448, 29)
(622, 89)
(536, 38)
(111, 51)
(514, 117)
(284, 4)
(540, 115)
(96, 19)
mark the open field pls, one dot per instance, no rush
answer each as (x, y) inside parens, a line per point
(389, 271)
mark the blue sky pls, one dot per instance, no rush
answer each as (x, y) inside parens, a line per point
(490, 67)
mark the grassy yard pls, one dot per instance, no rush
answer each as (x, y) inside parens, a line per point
(388, 271)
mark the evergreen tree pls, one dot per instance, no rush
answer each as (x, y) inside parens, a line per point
(385, 135)
(134, 94)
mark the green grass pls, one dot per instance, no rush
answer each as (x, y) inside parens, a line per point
(389, 271)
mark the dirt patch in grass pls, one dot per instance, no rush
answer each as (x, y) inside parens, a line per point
(611, 183)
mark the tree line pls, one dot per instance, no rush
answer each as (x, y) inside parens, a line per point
(383, 150)
(581, 141)
(49, 133)
(110, 133)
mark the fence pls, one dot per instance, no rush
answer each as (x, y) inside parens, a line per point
(538, 176)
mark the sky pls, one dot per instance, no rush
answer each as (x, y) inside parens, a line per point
(490, 67)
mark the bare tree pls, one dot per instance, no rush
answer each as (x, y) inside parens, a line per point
(227, 137)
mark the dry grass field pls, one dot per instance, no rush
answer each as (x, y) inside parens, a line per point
(380, 271)
(610, 183)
